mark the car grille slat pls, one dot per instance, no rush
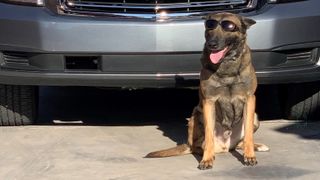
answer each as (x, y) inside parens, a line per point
(85, 4)
(151, 7)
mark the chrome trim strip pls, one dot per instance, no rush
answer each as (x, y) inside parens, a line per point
(156, 75)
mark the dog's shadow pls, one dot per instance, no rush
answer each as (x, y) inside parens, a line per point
(238, 156)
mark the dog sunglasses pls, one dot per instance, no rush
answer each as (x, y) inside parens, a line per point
(226, 25)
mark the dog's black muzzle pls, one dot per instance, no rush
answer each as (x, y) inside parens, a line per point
(215, 45)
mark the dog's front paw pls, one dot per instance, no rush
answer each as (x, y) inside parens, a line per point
(206, 164)
(250, 161)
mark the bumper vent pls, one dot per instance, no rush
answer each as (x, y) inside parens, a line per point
(15, 59)
(152, 8)
(301, 55)
(79, 63)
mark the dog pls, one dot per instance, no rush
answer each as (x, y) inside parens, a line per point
(225, 117)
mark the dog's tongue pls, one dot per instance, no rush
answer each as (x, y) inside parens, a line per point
(215, 57)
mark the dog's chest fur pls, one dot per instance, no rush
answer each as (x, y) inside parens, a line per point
(223, 143)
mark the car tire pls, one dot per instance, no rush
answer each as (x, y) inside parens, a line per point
(303, 101)
(18, 105)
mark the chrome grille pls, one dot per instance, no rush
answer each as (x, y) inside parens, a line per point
(152, 8)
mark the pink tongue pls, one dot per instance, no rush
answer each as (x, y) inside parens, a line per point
(215, 57)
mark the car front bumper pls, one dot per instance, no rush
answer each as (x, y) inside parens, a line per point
(150, 54)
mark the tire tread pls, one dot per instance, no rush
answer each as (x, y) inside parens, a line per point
(303, 101)
(17, 105)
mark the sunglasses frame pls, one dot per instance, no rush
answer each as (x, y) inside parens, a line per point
(220, 23)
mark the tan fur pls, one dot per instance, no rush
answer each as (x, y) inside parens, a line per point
(175, 151)
(220, 87)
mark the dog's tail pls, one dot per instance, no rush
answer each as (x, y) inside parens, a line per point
(175, 151)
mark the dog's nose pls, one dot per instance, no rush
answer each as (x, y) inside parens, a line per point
(212, 44)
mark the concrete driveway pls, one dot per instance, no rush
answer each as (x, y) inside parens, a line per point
(87, 133)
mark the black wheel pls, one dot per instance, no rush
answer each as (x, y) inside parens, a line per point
(303, 101)
(18, 105)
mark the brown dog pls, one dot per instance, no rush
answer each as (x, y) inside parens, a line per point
(225, 118)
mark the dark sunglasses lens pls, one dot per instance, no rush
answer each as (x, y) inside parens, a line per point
(228, 26)
(211, 24)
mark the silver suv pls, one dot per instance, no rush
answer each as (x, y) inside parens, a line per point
(148, 43)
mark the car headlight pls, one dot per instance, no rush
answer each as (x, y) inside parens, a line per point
(283, 1)
(25, 2)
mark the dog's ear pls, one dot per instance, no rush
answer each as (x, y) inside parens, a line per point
(206, 17)
(247, 22)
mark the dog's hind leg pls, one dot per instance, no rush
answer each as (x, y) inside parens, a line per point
(259, 147)
(195, 130)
